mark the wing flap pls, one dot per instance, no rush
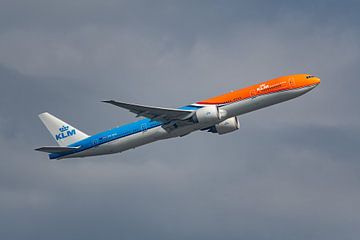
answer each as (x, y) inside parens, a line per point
(56, 149)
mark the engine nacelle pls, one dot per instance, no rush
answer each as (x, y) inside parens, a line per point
(229, 125)
(207, 114)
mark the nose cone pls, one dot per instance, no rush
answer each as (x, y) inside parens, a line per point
(316, 80)
(311, 80)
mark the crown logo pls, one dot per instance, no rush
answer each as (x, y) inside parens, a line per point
(63, 128)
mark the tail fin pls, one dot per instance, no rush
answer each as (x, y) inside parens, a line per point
(63, 133)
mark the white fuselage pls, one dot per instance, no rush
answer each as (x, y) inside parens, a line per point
(159, 133)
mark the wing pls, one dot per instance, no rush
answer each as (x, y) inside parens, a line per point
(159, 114)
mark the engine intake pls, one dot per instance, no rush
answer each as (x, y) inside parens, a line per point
(227, 126)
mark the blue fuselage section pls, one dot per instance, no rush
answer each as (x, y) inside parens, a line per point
(114, 134)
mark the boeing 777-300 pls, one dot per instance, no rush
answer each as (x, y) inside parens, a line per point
(216, 115)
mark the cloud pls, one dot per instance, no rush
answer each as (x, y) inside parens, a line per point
(290, 172)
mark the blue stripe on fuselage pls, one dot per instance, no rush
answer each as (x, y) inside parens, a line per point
(191, 107)
(115, 133)
(109, 135)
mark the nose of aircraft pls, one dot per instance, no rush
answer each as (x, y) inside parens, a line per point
(316, 80)
(312, 80)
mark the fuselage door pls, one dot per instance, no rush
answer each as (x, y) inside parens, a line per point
(252, 93)
(291, 82)
(143, 127)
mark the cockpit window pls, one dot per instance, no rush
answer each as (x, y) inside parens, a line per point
(310, 76)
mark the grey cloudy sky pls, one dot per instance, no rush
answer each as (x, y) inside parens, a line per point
(291, 172)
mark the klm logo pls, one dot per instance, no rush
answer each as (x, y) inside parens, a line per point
(64, 133)
(263, 87)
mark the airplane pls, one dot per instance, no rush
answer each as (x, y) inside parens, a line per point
(216, 115)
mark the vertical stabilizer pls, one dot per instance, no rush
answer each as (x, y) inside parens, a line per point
(63, 133)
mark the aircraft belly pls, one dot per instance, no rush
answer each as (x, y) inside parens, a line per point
(252, 104)
(138, 139)
(124, 143)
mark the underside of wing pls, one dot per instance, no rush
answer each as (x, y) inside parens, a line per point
(164, 115)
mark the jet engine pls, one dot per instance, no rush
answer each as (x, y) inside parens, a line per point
(229, 125)
(207, 114)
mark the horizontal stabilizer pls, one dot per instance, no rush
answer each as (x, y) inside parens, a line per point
(56, 149)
